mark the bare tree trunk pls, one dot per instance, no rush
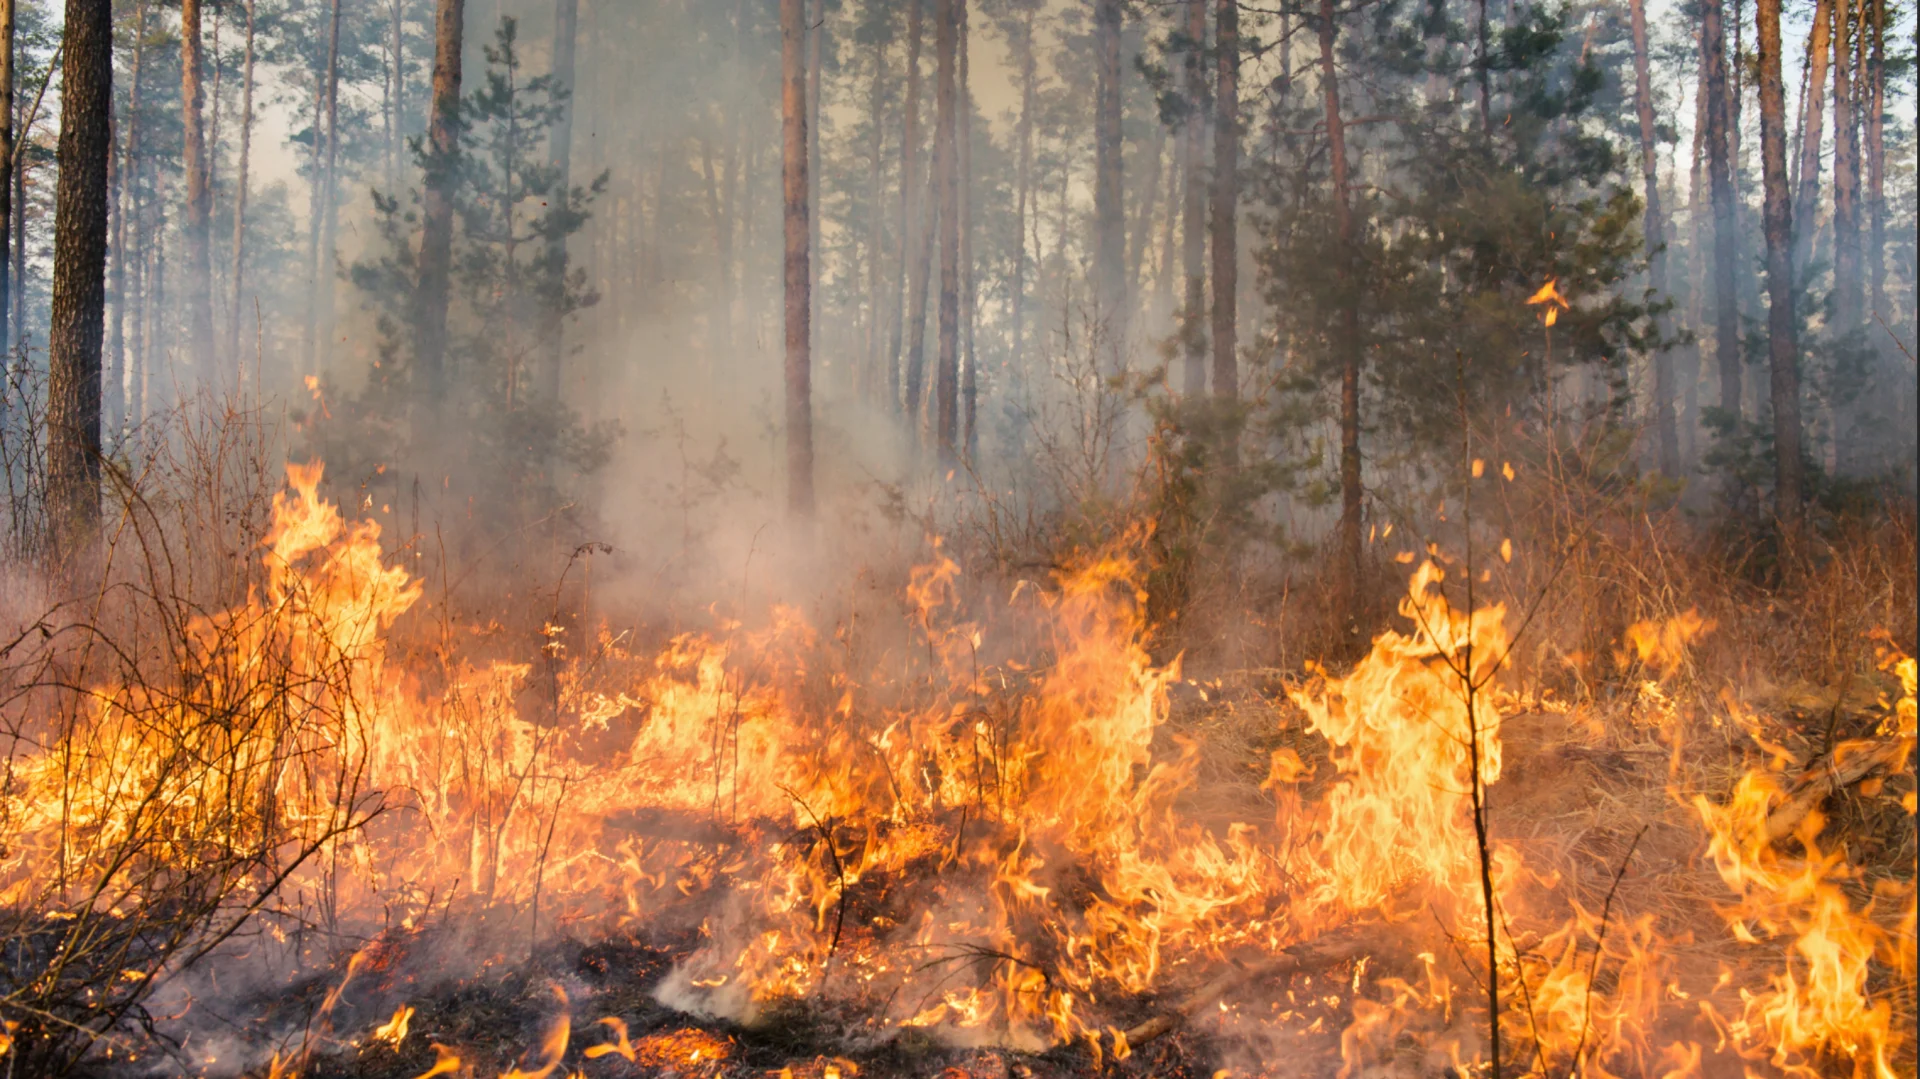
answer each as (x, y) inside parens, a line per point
(1193, 335)
(1347, 333)
(913, 321)
(397, 108)
(1109, 190)
(1692, 365)
(1846, 178)
(1666, 436)
(816, 44)
(1783, 350)
(198, 229)
(323, 275)
(240, 205)
(1876, 75)
(1813, 114)
(1725, 243)
(566, 21)
(78, 318)
(1023, 198)
(797, 275)
(1226, 201)
(436, 233)
(6, 189)
(869, 380)
(1482, 75)
(126, 286)
(970, 375)
(947, 377)
(20, 245)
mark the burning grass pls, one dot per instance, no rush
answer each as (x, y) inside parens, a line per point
(978, 828)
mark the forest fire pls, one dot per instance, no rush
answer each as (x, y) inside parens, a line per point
(988, 539)
(1002, 842)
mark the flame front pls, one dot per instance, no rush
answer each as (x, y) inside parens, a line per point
(985, 837)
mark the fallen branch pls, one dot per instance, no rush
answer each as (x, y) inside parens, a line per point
(1851, 762)
(1331, 950)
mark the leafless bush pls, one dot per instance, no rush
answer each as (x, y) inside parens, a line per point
(183, 734)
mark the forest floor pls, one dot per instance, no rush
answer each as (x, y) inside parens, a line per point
(1596, 795)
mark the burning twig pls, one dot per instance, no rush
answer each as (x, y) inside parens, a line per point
(1851, 761)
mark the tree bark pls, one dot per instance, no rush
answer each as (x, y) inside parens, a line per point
(127, 286)
(77, 320)
(1109, 190)
(1193, 335)
(1813, 115)
(199, 218)
(946, 167)
(1725, 243)
(869, 379)
(1023, 198)
(1692, 358)
(816, 44)
(970, 375)
(1846, 178)
(796, 273)
(323, 275)
(1226, 201)
(1783, 350)
(914, 270)
(1346, 334)
(1876, 97)
(240, 181)
(566, 21)
(6, 189)
(436, 233)
(1665, 433)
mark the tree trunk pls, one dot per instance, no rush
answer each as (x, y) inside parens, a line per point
(127, 285)
(1482, 75)
(397, 96)
(797, 275)
(1813, 115)
(1846, 178)
(816, 45)
(1876, 95)
(970, 375)
(1696, 272)
(1346, 334)
(436, 233)
(1193, 335)
(240, 181)
(1725, 244)
(19, 182)
(1109, 191)
(1783, 351)
(323, 275)
(1666, 436)
(198, 231)
(77, 321)
(1023, 197)
(946, 168)
(913, 239)
(1226, 201)
(6, 189)
(566, 21)
(869, 379)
